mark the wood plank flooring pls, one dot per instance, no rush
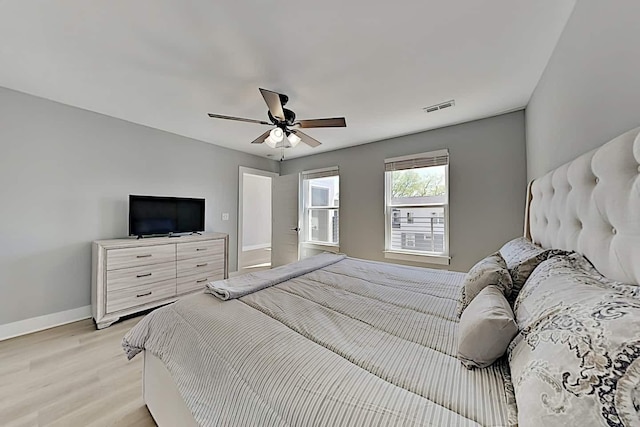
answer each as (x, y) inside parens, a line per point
(255, 260)
(72, 375)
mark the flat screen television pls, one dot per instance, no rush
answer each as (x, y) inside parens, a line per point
(150, 215)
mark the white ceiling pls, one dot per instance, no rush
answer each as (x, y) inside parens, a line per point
(165, 64)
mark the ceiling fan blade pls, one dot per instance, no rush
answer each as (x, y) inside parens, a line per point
(336, 122)
(274, 103)
(261, 138)
(239, 119)
(311, 142)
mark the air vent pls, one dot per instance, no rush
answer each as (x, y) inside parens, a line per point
(441, 106)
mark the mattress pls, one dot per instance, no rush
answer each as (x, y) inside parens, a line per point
(354, 343)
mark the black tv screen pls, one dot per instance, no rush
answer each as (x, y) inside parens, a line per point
(164, 215)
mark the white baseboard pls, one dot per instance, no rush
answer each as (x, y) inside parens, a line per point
(40, 323)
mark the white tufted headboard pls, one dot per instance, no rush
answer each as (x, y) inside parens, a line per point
(591, 205)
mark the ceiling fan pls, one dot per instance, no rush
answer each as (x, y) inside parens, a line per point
(286, 133)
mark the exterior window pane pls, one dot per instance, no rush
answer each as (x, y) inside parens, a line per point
(423, 232)
(323, 226)
(324, 191)
(418, 186)
(321, 209)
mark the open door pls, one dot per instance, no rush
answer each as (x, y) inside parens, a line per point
(284, 214)
(254, 219)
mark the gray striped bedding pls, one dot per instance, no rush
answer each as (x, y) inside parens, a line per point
(356, 343)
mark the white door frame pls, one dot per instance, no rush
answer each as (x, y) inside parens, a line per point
(241, 171)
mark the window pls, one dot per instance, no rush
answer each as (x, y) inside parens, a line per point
(417, 207)
(321, 196)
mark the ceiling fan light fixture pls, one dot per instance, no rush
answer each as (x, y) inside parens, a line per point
(270, 142)
(275, 137)
(282, 119)
(293, 139)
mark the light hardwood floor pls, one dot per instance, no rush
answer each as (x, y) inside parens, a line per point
(254, 260)
(72, 375)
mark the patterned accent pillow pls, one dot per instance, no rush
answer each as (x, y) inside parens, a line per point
(522, 257)
(486, 328)
(491, 270)
(576, 360)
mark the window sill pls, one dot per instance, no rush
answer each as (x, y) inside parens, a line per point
(329, 247)
(418, 257)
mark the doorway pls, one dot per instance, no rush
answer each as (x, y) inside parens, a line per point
(254, 219)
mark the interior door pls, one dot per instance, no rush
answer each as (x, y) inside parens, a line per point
(284, 213)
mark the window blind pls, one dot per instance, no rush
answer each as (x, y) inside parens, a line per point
(320, 173)
(435, 158)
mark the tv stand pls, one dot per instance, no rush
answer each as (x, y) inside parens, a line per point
(130, 275)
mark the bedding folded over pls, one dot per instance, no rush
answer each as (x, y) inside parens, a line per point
(240, 286)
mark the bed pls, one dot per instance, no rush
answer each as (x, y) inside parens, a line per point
(355, 342)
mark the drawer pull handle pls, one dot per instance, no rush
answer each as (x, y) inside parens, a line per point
(201, 280)
(144, 275)
(143, 295)
(201, 249)
(143, 256)
(202, 265)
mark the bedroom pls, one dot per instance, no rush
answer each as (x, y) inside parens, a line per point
(67, 171)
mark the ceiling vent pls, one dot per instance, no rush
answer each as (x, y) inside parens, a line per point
(441, 106)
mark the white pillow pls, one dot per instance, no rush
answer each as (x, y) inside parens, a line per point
(487, 327)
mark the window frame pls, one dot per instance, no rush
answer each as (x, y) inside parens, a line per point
(307, 208)
(415, 255)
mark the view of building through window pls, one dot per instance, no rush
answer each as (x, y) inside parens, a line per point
(322, 209)
(416, 205)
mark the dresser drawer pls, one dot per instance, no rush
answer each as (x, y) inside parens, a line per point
(134, 276)
(200, 249)
(188, 267)
(145, 255)
(132, 296)
(198, 281)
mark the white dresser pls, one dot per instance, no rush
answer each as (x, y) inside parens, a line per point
(132, 275)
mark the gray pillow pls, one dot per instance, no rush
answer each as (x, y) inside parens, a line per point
(491, 270)
(522, 257)
(486, 328)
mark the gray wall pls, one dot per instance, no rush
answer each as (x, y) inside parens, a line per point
(487, 186)
(590, 90)
(65, 177)
(256, 221)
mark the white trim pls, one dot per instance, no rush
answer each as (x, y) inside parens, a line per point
(443, 152)
(387, 217)
(416, 257)
(306, 181)
(256, 172)
(35, 324)
(256, 247)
